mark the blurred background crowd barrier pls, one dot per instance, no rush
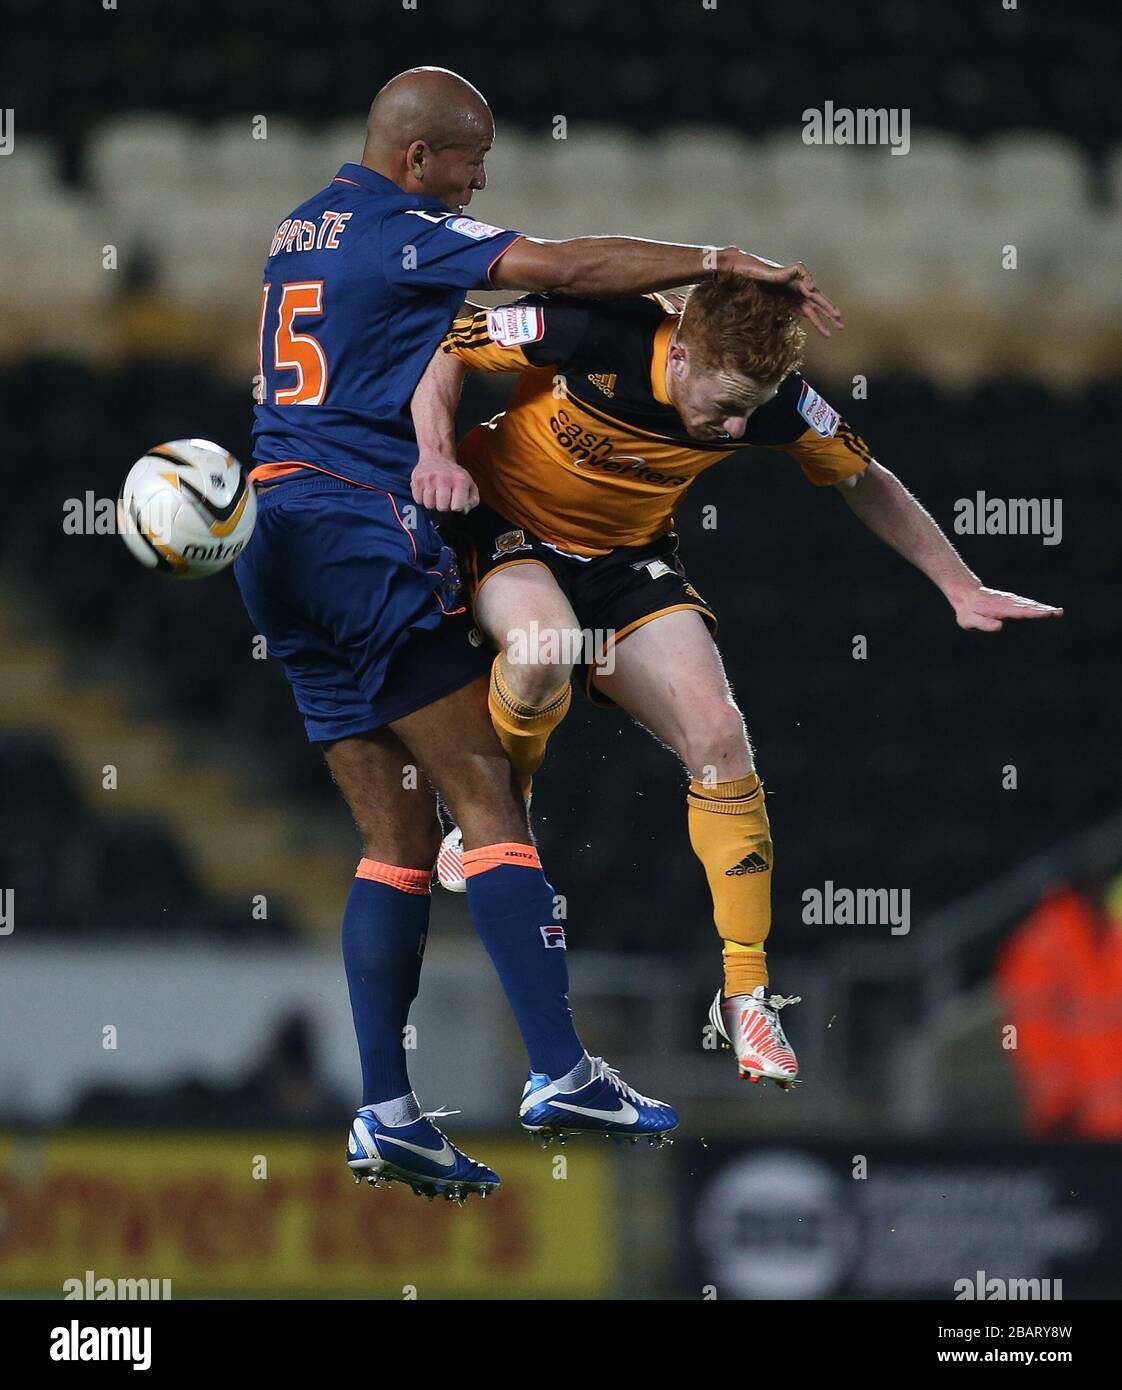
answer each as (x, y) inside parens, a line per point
(174, 858)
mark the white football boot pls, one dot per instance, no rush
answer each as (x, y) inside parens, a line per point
(750, 1024)
(450, 860)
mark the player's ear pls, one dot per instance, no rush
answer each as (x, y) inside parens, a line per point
(679, 359)
(415, 159)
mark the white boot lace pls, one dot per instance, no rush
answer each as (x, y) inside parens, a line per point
(602, 1072)
(439, 1114)
(779, 1001)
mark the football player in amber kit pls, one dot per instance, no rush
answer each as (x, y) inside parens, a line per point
(621, 405)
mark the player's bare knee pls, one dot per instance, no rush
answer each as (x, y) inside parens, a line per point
(404, 832)
(716, 746)
(536, 683)
(538, 662)
(482, 795)
(404, 845)
(476, 779)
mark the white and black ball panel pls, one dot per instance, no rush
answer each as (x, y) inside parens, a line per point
(187, 508)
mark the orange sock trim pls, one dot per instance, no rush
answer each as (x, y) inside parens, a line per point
(478, 861)
(405, 880)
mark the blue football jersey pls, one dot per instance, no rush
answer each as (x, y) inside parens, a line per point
(362, 283)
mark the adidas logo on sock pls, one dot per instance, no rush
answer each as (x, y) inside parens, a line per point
(751, 864)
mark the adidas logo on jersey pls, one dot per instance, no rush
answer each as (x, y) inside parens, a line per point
(604, 381)
(751, 864)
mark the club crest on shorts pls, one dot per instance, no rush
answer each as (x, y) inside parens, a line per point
(509, 542)
(554, 935)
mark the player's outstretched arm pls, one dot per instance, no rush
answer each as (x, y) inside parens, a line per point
(618, 265)
(438, 481)
(890, 511)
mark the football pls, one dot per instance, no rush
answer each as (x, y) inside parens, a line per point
(187, 509)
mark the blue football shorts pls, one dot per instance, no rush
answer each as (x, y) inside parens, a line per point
(365, 612)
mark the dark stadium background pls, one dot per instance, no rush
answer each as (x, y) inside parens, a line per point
(885, 771)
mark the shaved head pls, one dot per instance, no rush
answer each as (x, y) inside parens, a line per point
(429, 104)
(429, 131)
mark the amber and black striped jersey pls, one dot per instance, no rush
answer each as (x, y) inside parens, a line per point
(590, 454)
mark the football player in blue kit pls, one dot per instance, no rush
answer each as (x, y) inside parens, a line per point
(349, 581)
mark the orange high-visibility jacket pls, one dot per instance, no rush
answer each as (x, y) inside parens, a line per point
(1060, 978)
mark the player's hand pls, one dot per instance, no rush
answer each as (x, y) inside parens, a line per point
(441, 485)
(982, 610)
(810, 302)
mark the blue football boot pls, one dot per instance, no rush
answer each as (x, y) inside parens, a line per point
(416, 1153)
(605, 1105)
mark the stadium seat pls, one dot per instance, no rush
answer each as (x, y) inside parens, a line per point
(1086, 265)
(593, 178)
(806, 179)
(54, 241)
(182, 230)
(33, 167)
(1030, 169)
(939, 171)
(519, 191)
(335, 144)
(275, 172)
(703, 180)
(142, 156)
